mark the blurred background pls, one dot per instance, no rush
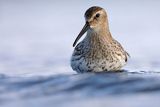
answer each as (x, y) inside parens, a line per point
(36, 36)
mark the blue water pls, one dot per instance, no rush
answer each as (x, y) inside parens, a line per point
(36, 38)
(91, 89)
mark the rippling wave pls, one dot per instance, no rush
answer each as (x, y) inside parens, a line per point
(64, 88)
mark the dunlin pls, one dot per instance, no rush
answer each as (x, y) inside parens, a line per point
(98, 51)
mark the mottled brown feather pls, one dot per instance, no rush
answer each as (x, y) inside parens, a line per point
(98, 51)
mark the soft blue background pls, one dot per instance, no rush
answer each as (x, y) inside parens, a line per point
(36, 36)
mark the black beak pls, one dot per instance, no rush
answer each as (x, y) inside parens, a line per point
(85, 28)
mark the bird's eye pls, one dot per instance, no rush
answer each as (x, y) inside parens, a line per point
(97, 15)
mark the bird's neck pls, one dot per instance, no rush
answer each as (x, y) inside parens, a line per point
(102, 35)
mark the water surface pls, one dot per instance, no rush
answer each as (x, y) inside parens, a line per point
(90, 89)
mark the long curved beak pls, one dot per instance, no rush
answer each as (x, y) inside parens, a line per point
(84, 29)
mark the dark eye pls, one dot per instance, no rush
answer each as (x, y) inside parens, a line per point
(97, 15)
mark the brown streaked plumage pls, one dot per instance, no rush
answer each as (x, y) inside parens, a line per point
(98, 51)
